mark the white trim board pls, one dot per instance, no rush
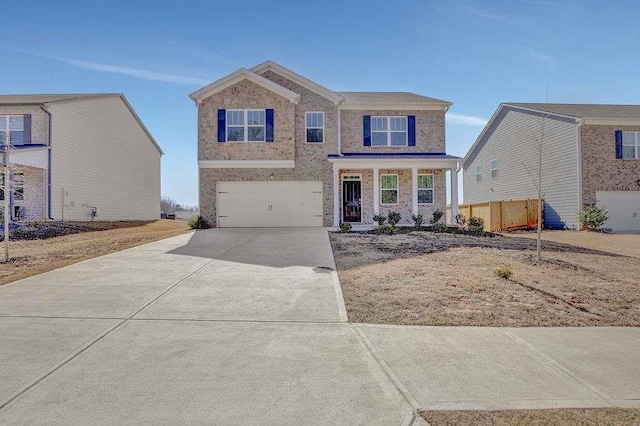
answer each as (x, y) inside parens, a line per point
(394, 163)
(403, 106)
(246, 164)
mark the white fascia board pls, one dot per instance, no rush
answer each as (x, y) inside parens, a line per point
(297, 78)
(404, 106)
(246, 164)
(395, 163)
(238, 76)
(611, 121)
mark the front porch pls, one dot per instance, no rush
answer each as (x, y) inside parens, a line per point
(367, 185)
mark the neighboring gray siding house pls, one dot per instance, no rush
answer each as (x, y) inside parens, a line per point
(276, 149)
(590, 153)
(77, 153)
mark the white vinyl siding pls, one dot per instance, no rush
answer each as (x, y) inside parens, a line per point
(102, 157)
(511, 139)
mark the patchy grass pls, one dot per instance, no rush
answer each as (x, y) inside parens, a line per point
(569, 417)
(444, 279)
(35, 256)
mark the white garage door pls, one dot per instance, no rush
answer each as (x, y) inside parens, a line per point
(269, 204)
(624, 209)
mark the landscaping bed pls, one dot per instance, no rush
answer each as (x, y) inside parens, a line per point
(425, 278)
(79, 241)
(569, 417)
(44, 230)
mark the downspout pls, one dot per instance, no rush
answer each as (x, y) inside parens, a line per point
(48, 165)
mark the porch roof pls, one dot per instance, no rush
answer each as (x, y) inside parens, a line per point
(396, 160)
(394, 155)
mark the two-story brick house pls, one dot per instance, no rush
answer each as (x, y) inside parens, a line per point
(276, 149)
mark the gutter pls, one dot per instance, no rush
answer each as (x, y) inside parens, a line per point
(48, 165)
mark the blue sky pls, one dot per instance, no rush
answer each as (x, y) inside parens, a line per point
(475, 54)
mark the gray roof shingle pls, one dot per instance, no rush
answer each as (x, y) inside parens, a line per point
(388, 97)
(49, 98)
(585, 110)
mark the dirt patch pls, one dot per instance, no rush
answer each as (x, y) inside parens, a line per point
(423, 278)
(32, 257)
(570, 417)
(44, 230)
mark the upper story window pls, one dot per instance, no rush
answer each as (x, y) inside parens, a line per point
(389, 131)
(12, 129)
(245, 125)
(494, 169)
(314, 125)
(479, 173)
(631, 145)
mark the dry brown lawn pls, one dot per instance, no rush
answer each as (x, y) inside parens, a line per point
(569, 417)
(32, 257)
(423, 278)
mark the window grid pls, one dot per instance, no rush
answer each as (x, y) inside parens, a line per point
(425, 189)
(389, 189)
(246, 125)
(12, 129)
(631, 145)
(389, 131)
(314, 127)
(479, 173)
(494, 169)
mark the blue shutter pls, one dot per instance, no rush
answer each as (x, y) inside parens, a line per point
(366, 129)
(269, 126)
(222, 126)
(411, 128)
(618, 144)
(26, 123)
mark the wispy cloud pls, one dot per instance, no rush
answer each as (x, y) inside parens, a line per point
(465, 120)
(133, 72)
(543, 59)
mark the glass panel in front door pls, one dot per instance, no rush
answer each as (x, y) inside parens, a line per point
(351, 202)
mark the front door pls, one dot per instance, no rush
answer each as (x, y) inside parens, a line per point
(351, 201)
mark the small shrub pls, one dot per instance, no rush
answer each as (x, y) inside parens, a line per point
(385, 229)
(476, 222)
(198, 222)
(380, 219)
(475, 230)
(393, 218)
(437, 215)
(503, 271)
(345, 227)
(439, 227)
(417, 220)
(461, 220)
(592, 217)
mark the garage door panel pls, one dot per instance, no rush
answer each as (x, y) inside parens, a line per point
(623, 207)
(270, 204)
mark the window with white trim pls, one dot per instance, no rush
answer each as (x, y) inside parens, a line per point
(631, 145)
(245, 125)
(494, 169)
(389, 131)
(12, 129)
(389, 189)
(425, 189)
(479, 173)
(314, 126)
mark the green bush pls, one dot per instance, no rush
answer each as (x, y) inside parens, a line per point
(417, 220)
(476, 222)
(503, 271)
(460, 219)
(393, 218)
(437, 215)
(439, 227)
(475, 230)
(591, 217)
(345, 227)
(385, 229)
(198, 222)
(380, 219)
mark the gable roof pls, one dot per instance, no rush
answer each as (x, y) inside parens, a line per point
(44, 99)
(391, 101)
(586, 111)
(297, 78)
(238, 76)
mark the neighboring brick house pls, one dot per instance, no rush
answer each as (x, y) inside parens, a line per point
(77, 153)
(276, 149)
(590, 153)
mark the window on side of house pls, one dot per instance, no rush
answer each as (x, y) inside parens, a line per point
(12, 129)
(389, 131)
(425, 189)
(389, 189)
(494, 169)
(631, 145)
(18, 186)
(314, 125)
(245, 125)
(479, 173)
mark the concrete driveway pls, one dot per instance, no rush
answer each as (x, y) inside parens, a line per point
(237, 326)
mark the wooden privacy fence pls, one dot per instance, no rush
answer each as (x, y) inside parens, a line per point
(502, 215)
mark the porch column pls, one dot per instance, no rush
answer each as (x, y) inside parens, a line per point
(376, 191)
(336, 195)
(414, 190)
(454, 196)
